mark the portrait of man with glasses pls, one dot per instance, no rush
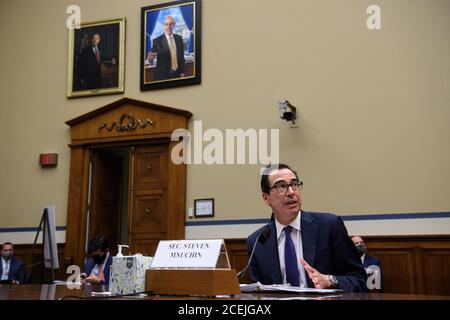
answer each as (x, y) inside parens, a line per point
(301, 248)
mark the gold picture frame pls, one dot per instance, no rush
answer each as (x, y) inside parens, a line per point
(96, 63)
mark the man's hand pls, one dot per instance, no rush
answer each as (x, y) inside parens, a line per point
(83, 277)
(151, 55)
(321, 281)
(93, 279)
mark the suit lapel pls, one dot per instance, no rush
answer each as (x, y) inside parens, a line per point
(12, 267)
(309, 239)
(271, 250)
(165, 43)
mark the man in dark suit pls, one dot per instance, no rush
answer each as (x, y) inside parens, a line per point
(90, 64)
(11, 268)
(97, 267)
(301, 248)
(168, 49)
(366, 260)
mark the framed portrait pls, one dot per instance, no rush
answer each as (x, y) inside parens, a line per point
(170, 45)
(204, 208)
(96, 58)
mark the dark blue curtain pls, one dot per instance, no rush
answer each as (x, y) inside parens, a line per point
(152, 17)
(188, 15)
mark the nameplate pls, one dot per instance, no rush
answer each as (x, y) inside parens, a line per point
(187, 253)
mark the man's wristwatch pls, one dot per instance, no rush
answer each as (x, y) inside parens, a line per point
(334, 282)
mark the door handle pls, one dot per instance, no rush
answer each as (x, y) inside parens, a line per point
(147, 211)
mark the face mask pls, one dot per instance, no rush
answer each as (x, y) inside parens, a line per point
(7, 255)
(361, 249)
(98, 259)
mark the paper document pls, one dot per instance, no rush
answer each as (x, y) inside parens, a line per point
(255, 287)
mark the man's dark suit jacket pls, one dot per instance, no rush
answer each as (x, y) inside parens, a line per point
(326, 247)
(89, 265)
(89, 69)
(16, 270)
(371, 261)
(164, 59)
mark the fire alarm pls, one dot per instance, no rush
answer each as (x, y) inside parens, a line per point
(48, 159)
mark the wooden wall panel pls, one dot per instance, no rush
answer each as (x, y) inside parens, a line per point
(413, 264)
(398, 270)
(237, 253)
(436, 271)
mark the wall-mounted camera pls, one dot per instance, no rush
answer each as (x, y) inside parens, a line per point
(287, 111)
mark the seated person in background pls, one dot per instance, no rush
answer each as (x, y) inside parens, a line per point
(366, 260)
(301, 248)
(11, 268)
(97, 267)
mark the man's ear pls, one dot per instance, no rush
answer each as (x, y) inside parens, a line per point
(265, 197)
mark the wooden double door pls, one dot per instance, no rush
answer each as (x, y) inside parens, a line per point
(129, 196)
(122, 182)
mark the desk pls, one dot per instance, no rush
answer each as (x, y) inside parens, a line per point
(54, 292)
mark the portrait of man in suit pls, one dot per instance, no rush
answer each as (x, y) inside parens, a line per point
(168, 50)
(89, 64)
(171, 45)
(96, 58)
(301, 248)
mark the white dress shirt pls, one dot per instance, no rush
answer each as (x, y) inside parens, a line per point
(297, 240)
(5, 267)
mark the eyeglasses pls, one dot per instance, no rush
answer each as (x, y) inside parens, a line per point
(282, 187)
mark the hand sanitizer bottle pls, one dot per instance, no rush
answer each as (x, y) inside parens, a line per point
(119, 249)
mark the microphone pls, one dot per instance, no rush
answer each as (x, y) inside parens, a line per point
(262, 236)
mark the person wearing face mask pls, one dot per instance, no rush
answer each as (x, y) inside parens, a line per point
(366, 260)
(97, 267)
(11, 268)
(301, 248)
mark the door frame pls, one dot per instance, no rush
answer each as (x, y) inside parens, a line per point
(87, 135)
